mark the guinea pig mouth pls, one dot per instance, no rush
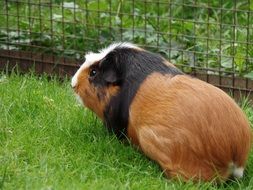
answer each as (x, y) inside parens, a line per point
(79, 99)
(75, 89)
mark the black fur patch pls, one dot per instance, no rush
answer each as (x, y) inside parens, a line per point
(130, 67)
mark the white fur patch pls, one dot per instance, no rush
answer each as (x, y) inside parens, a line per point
(238, 172)
(94, 57)
(91, 58)
(74, 80)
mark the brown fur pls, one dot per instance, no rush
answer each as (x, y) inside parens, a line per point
(191, 128)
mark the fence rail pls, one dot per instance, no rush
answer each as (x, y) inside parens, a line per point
(211, 39)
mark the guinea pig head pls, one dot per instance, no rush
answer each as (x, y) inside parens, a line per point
(97, 80)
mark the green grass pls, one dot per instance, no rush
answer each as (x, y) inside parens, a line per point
(48, 141)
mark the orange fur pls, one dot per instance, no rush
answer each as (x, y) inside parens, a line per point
(191, 128)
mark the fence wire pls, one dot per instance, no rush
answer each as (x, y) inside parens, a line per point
(210, 37)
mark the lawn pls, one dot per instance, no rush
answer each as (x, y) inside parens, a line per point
(48, 141)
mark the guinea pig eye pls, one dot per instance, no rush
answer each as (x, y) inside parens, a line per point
(93, 72)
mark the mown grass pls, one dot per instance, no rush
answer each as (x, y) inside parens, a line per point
(48, 141)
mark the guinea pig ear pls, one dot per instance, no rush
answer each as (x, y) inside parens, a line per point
(110, 69)
(110, 76)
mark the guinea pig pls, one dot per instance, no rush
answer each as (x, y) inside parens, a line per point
(192, 129)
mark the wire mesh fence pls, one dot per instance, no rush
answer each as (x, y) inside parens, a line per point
(211, 39)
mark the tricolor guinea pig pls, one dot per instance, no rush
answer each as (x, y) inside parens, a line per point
(190, 128)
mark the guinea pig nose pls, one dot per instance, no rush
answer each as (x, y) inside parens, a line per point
(74, 82)
(72, 85)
